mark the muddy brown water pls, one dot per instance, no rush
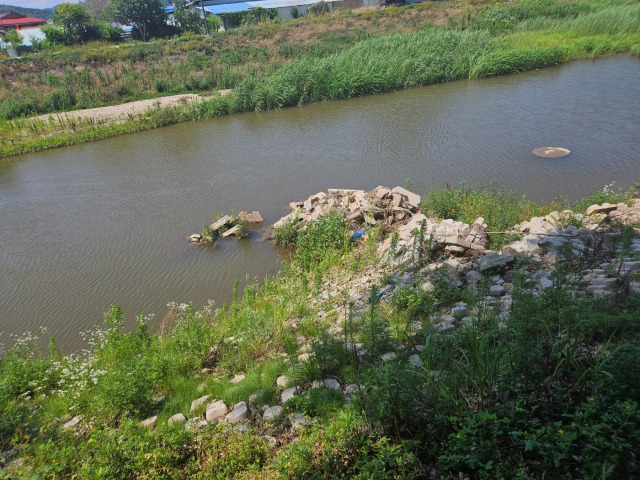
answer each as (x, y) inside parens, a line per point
(107, 222)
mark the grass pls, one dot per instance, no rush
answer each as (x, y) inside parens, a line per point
(304, 60)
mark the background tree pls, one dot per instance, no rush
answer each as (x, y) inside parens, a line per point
(146, 16)
(214, 22)
(12, 37)
(187, 19)
(74, 20)
(99, 9)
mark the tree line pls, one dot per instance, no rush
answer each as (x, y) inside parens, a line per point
(76, 23)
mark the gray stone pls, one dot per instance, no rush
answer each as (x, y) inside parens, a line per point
(387, 357)
(221, 223)
(177, 419)
(444, 327)
(231, 231)
(411, 198)
(198, 401)
(149, 422)
(240, 413)
(446, 319)
(282, 381)
(73, 423)
(299, 420)
(195, 423)
(460, 311)
(270, 440)
(271, 414)
(332, 383)
(253, 217)
(470, 320)
(415, 360)
(255, 397)
(352, 388)
(551, 242)
(604, 208)
(288, 394)
(216, 411)
(494, 260)
(532, 242)
(604, 282)
(453, 264)
(496, 290)
(237, 379)
(545, 283)
(473, 276)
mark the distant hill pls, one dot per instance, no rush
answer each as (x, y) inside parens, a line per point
(45, 13)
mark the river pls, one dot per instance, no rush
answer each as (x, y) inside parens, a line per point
(107, 222)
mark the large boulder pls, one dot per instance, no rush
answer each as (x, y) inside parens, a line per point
(240, 413)
(216, 411)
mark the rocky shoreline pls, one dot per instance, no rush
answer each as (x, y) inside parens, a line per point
(455, 249)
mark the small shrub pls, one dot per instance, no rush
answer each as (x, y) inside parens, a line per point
(286, 235)
(323, 236)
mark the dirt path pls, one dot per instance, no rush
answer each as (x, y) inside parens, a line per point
(124, 111)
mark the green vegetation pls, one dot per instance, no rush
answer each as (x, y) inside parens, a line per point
(552, 393)
(502, 210)
(274, 64)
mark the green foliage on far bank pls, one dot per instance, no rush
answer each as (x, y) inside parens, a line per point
(268, 70)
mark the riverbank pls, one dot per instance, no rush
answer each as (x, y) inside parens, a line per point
(326, 66)
(408, 351)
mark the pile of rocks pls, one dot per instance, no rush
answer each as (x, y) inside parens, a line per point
(458, 250)
(381, 206)
(226, 226)
(395, 210)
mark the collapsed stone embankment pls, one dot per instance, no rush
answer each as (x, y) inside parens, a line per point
(456, 253)
(460, 250)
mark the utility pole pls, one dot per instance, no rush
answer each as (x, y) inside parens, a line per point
(204, 17)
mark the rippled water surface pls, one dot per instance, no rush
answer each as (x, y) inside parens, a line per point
(90, 225)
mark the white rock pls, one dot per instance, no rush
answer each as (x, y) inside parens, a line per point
(198, 401)
(282, 381)
(304, 357)
(239, 413)
(599, 293)
(177, 419)
(72, 423)
(149, 422)
(271, 414)
(216, 411)
(387, 357)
